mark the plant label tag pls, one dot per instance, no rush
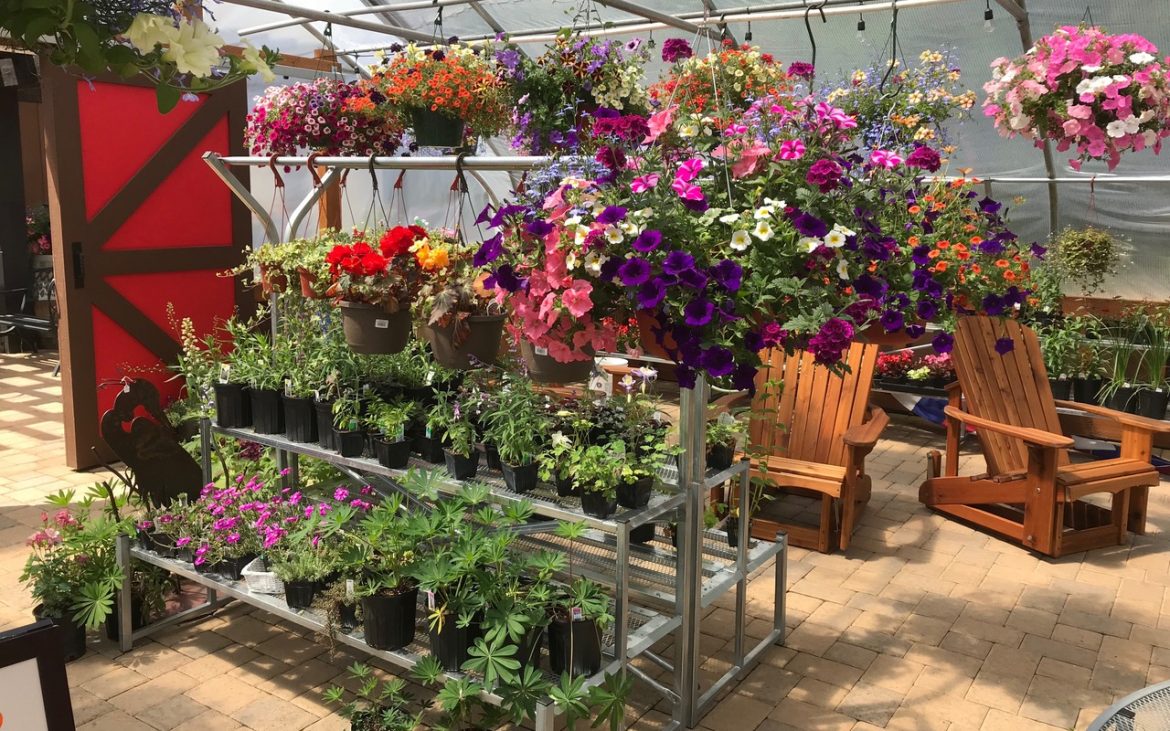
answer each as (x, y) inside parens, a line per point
(225, 371)
(430, 378)
(539, 350)
(431, 600)
(316, 394)
(400, 435)
(577, 614)
(601, 384)
(349, 590)
(382, 324)
(288, 388)
(428, 432)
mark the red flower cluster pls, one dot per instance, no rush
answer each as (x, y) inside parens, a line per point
(357, 259)
(399, 239)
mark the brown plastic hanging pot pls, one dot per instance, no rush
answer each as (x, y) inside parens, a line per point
(543, 368)
(481, 344)
(372, 330)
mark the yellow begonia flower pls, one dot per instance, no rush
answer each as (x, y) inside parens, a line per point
(148, 31)
(194, 49)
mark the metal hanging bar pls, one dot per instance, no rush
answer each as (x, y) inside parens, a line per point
(442, 162)
(668, 20)
(419, 5)
(217, 165)
(301, 212)
(306, 14)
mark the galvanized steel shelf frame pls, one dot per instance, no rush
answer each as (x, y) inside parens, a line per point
(698, 578)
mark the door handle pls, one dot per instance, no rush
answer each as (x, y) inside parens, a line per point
(78, 266)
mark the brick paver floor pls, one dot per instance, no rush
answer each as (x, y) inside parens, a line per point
(922, 625)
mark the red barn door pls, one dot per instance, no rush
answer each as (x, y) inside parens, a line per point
(142, 222)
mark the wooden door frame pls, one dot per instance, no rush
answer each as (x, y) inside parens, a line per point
(79, 240)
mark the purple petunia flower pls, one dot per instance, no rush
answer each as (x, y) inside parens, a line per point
(677, 262)
(506, 278)
(990, 206)
(1003, 346)
(489, 251)
(892, 320)
(540, 227)
(924, 158)
(693, 278)
(651, 294)
(647, 241)
(915, 331)
(809, 225)
(825, 174)
(993, 305)
(927, 309)
(718, 361)
(1039, 251)
(920, 255)
(943, 343)
(728, 274)
(611, 214)
(676, 49)
(699, 312)
(634, 271)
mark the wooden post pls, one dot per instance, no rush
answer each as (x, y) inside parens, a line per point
(329, 207)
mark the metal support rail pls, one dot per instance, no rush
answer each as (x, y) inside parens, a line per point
(649, 629)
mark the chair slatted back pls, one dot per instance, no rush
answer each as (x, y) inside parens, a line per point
(805, 417)
(1011, 388)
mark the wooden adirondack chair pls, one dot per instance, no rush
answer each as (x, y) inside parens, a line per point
(1032, 493)
(815, 433)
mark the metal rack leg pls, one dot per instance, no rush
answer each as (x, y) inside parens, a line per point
(205, 448)
(125, 601)
(622, 610)
(545, 718)
(741, 563)
(780, 606)
(692, 437)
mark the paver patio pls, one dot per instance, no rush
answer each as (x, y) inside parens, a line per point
(923, 624)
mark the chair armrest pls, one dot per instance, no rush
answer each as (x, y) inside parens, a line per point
(867, 434)
(1139, 422)
(1035, 437)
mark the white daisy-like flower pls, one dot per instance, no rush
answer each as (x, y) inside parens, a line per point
(1142, 58)
(763, 231)
(629, 228)
(613, 234)
(835, 239)
(741, 240)
(809, 243)
(593, 262)
(845, 231)
(729, 218)
(775, 203)
(687, 129)
(764, 212)
(579, 235)
(843, 269)
(572, 221)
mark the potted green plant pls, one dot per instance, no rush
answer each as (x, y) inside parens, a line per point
(1058, 346)
(459, 317)
(387, 423)
(1119, 393)
(448, 418)
(347, 424)
(1086, 358)
(384, 548)
(150, 587)
(252, 363)
(518, 426)
(580, 613)
(1153, 388)
(722, 436)
(597, 472)
(1084, 257)
(72, 574)
(272, 262)
(554, 464)
(378, 705)
(301, 567)
(519, 603)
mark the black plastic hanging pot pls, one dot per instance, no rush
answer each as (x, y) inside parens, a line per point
(372, 330)
(543, 368)
(461, 467)
(1061, 388)
(574, 646)
(350, 443)
(719, 456)
(1152, 404)
(597, 504)
(267, 411)
(478, 346)
(300, 594)
(436, 128)
(388, 620)
(635, 494)
(233, 405)
(451, 645)
(72, 634)
(326, 435)
(520, 478)
(395, 455)
(300, 419)
(1086, 390)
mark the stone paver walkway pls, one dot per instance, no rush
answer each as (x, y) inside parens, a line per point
(923, 625)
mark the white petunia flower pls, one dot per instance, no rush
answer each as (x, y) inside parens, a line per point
(835, 239)
(809, 243)
(688, 130)
(194, 49)
(843, 269)
(571, 260)
(1141, 58)
(256, 62)
(613, 234)
(729, 218)
(148, 31)
(741, 240)
(764, 212)
(844, 230)
(593, 262)
(763, 231)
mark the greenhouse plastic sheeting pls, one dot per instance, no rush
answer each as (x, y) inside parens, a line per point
(1138, 212)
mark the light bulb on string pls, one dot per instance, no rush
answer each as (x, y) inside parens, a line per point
(988, 16)
(860, 28)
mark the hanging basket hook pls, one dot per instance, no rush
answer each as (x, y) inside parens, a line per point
(275, 172)
(312, 164)
(373, 174)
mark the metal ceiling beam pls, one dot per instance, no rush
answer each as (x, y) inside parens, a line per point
(297, 11)
(348, 59)
(372, 10)
(657, 16)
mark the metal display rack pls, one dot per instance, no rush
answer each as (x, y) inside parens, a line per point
(657, 589)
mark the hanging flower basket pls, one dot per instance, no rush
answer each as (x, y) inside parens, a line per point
(474, 342)
(272, 281)
(372, 330)
(543, 368)
(308, 284)
(437, 129)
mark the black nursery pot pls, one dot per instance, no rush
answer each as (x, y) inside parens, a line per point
(1085, 390)
(388, 620)
(1123, 399)
(574, 646)
(1152, 404)
(233, 568)
(642, 534)
(72, 633)
(233, 405)
(395, 455)
(635, 494)
(566, 487)
(528, 649)
(732, 527)
(113, 633)
(597, 505)
(460, 467)
(326, 434)
(300, 594)
(300, 419)
(719, 456)
(450, 646)
(492, 457)
(520, 478)
(1061, 388)
(267, 413)
(429, 449)
(348, 618)
(350, 443)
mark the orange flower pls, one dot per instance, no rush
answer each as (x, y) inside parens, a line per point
(1002, 263)
(933, 253)
(1009, 275)
(912, 241)
(976, 269)
(976, 240)
(915, 209)
(940, 266)
(944, 244)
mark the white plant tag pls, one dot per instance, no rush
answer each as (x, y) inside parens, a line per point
(382, 324)
(429, 432)
(400, 435)
(349, 590)
(577, 614)
(539, 350)
(288, 388)
(430, 378)
(431, 600)
(225, 370)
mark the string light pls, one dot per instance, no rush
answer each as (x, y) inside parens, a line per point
(747, 37)
(988, 15)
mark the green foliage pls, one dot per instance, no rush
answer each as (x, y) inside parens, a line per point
(377, 705)
(519, 423)
(451, 423)
(347, 412)
(1084, 257)
(390, 418)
